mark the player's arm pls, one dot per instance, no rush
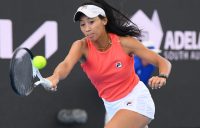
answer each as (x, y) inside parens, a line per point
(65, 67)
(133, 46)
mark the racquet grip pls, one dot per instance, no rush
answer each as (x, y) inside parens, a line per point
(46, 84)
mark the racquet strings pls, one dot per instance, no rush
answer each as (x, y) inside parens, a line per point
(22, 72)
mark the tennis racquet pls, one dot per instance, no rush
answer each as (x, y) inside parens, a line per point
(24, 77)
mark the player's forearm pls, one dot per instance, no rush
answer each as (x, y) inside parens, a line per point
(62, 71)
(165, 67)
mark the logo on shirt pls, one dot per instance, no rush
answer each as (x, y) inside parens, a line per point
(129, 103)
(118, 64)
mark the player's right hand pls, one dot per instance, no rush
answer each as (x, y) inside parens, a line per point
(54, 81)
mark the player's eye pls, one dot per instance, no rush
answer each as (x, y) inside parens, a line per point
(91, 22)
(82, 24)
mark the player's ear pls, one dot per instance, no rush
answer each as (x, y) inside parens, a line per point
(105, 21)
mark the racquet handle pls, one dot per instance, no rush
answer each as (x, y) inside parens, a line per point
(42, 81)
(46, 84)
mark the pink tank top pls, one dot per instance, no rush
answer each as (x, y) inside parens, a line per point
(112, 71)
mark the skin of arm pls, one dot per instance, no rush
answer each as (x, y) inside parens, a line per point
(63, 69)
(133, 46)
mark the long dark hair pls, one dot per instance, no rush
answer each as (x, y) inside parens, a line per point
(118, 23)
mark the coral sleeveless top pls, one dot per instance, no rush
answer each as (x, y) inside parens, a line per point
(112, 71)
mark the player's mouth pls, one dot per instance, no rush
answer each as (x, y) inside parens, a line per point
(91, 36)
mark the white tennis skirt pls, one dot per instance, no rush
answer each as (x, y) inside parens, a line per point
(138, 100)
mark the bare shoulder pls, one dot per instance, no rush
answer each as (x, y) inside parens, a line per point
(81, 45)
(84, 43)
(78, 42)
(129, 43)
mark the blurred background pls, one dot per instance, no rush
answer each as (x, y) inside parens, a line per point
(47, 28)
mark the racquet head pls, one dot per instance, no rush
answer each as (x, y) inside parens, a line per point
(21, 71)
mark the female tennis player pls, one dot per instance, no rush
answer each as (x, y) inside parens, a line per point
(106, 57)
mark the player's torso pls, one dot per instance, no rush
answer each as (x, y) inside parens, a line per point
(109, 69)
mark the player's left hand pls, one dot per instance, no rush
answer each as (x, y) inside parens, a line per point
(156, 82)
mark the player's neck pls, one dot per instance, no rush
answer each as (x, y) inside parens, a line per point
(102, 44)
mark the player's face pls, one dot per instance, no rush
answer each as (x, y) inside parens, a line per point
(92, 28)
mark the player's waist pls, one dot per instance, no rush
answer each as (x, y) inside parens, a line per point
(114, 91)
